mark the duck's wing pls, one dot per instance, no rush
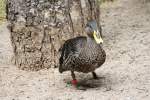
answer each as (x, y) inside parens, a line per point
(70, 51)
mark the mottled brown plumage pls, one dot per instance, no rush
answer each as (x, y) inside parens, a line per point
(82, 54)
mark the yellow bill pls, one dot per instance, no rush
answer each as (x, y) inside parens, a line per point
(97, 39)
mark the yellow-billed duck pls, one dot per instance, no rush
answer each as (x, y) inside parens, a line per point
(84, 53)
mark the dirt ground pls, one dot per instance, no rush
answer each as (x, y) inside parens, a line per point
(126, 30)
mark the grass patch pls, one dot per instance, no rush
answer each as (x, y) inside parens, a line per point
(102, 1)
(2, 10)
(107, 3)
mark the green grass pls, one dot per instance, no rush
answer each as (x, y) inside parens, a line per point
(2, 10)
(102, 1)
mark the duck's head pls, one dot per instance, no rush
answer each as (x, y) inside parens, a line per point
(92, 31)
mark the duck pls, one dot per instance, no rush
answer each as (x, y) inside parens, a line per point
(83, 53)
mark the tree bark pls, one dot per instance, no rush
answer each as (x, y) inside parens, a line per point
(39, 28)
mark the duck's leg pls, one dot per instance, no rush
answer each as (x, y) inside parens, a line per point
(74, 81)
(95, 75)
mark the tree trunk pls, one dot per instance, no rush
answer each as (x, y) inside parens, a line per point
(39, 28)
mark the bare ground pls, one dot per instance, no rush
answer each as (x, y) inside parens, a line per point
(126, 29)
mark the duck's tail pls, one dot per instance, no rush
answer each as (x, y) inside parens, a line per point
(61, 60)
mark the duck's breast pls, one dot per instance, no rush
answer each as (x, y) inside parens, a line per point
(90, 59)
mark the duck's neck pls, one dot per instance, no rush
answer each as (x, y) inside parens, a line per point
(91, 41)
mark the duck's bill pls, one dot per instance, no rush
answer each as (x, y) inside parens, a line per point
(97, 37)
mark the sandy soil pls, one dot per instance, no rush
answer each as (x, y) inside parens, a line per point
(126, 29)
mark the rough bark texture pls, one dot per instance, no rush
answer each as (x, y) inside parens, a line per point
(39, 27)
